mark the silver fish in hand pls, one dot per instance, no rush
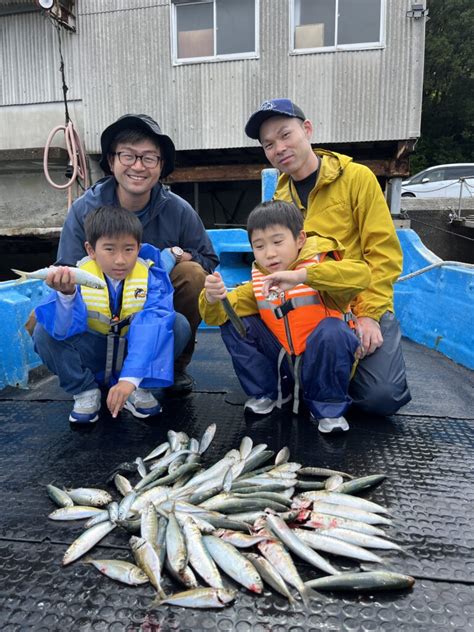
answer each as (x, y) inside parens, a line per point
(82, 277)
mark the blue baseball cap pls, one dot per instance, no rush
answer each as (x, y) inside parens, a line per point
(274, 107)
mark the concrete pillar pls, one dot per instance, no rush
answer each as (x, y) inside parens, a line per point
(395, 195)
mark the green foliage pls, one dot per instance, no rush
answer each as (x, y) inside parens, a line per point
(447, 123)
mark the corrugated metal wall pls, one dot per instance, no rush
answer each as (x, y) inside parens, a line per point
(29, 61)
(125, 66)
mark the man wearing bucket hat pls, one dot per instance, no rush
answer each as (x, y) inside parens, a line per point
(136, 155)
(343, 200)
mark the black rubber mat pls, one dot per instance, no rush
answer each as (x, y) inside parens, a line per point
(439, 387)
(429, 491)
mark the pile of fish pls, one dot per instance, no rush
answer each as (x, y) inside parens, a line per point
(243, 516)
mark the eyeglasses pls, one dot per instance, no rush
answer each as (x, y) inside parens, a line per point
(128, 160)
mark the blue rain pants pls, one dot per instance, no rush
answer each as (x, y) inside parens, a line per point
(79, 361)
(325, 369)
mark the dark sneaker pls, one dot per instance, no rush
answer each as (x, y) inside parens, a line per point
(142, 404)
(183, 383)
(86, 407)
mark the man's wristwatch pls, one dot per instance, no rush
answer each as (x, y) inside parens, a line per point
(177, 253)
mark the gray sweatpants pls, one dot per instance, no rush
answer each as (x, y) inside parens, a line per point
(379, 385)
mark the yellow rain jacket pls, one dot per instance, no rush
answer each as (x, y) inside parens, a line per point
(347, 204)
(336, 281)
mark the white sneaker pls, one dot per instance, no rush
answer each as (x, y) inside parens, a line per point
(142, 404)
(335, 424)
(263, 405)
(86, 407)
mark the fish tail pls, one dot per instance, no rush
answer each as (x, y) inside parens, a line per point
(156, 603)
(161, 594)
(21, 274)
(307, 593)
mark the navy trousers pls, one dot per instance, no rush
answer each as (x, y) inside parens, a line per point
(379, 386)
(325, 370)
(79, 361)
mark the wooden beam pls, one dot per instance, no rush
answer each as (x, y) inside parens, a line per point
(227, 173)
(388, 168)
(215, 173)
(405, 148)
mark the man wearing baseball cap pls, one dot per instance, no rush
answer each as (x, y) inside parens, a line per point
(136, 155)
(343, 200)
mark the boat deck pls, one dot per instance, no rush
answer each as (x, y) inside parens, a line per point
(426, 451)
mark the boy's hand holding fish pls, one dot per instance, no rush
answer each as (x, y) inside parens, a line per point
(215, 288)
(62, 279)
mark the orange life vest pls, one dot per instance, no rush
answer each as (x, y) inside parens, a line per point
(292, 315)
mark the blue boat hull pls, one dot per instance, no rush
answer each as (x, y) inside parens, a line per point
(435, 309)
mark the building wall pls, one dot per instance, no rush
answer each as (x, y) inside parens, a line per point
(119, 60)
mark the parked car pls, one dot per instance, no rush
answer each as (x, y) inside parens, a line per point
(441, 181)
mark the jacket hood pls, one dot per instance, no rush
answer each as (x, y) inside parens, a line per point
(317, 244)
(332, 166)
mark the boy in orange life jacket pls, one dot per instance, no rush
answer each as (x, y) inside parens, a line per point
(294, 311)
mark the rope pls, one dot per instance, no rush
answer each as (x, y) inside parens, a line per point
(439, 264)
(442, 230)
(61, 70)
(461, 180)
(74, 147)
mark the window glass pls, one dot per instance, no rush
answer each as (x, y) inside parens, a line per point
(435, 176)
(359, 21)
(235, 26)
(212, 28)
(329, 23)
(315, 23)
(417, 179)
(195, 26)
(460, 172)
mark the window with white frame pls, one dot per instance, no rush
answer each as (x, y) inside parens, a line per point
(336, 24)
(214, 29)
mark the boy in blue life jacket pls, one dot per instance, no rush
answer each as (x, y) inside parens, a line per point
(296, 314)
(123, 337)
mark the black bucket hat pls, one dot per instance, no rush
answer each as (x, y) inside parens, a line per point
(274, 107)
(145, 124)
